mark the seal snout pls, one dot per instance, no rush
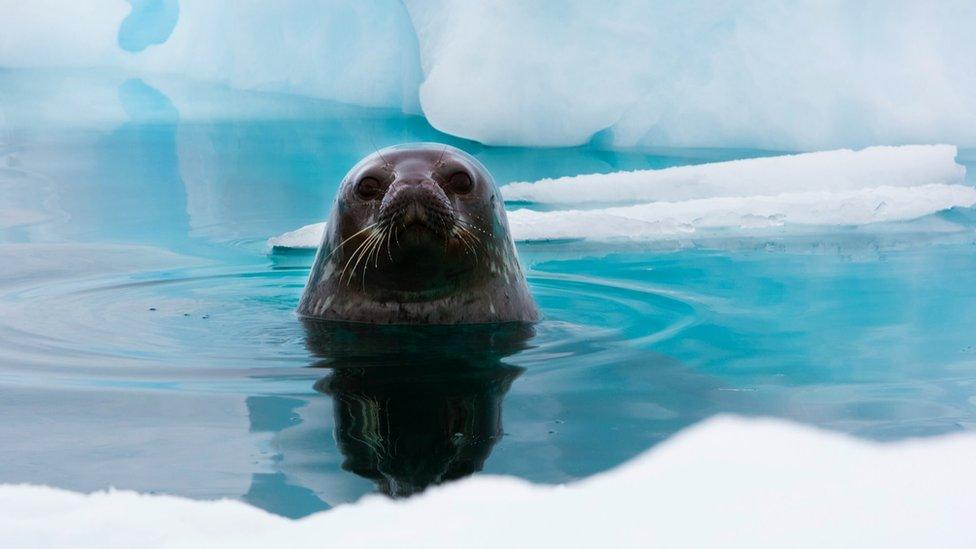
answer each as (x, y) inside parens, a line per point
(419, 203)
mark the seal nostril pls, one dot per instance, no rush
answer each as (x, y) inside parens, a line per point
(414, 212)
(417, 201)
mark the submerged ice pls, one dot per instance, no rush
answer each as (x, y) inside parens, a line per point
(777, 74)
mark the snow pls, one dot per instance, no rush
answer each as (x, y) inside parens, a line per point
(830, 188)
(773, 74)
(727, 482)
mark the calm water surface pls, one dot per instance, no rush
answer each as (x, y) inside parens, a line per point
(148, 340)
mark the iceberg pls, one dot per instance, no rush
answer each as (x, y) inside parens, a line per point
(786, 75)
(362, 53)
(728, 481)
(768, 74)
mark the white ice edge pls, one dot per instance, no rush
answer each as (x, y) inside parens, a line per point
(669, 219)
(828, 171)
(728, 481)
(830, 188)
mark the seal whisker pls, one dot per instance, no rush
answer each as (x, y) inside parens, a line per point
(349, 260)
(441, 157)
(378, 246)
(368, 246)
(357, 233)
(465, 227)
(470, 225)
(374, 246)
(389, 237)
(468, 239)
(354, 255)
(461, 238)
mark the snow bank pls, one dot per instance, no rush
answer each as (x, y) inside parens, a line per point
(726, 482)
(839, 188)
(818, 171)
(775, 74)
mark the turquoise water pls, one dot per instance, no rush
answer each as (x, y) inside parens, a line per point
(148, 340)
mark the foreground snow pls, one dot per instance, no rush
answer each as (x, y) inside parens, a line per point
(726, 482)
(830, 188)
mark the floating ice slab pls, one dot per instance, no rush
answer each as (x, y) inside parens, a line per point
(665, 219)
(841, 170)
(308, 236)
(844, 187)
(728, 482)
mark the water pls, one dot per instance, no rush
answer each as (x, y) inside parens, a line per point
(148, 340)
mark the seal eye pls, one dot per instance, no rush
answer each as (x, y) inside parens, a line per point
(368, 188)
(461, 183)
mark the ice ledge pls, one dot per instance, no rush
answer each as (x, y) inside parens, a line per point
(828, 171)
(728, 481)
(829, 188)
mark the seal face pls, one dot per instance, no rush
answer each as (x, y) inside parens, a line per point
(418, 235)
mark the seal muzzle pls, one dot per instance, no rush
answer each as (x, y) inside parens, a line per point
(417, 203)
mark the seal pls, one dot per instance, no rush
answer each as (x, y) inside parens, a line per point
(418, 235)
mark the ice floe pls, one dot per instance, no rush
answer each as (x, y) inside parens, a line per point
(663, 219)
(826, 171)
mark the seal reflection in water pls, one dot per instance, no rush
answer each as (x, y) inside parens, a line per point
(416, 406)
(418, 235)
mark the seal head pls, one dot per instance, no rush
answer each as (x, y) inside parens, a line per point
(418, 235)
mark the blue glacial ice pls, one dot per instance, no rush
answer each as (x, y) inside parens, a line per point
(775, 74)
